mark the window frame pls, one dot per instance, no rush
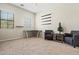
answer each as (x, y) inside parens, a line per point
(7, 19)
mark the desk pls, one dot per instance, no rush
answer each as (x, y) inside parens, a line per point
(32, 33)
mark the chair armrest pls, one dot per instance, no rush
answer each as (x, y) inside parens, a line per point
(76, 36)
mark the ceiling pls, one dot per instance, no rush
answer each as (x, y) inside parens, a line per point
(34, 7)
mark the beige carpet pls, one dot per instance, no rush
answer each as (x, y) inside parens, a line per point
(36, 46)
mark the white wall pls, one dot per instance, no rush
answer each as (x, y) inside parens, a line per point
(67, 14)
(19, 18)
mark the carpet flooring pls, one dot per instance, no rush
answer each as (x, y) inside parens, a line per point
(36, 46)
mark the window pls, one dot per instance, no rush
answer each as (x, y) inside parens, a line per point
(27, 23)
(6, 19)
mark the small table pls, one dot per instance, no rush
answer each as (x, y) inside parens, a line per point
(59, 37)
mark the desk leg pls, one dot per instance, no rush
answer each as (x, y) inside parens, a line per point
(37, 34)
(26, 34)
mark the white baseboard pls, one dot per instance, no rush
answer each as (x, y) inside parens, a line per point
(11, 39)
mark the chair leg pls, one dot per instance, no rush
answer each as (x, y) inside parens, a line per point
(74, 45)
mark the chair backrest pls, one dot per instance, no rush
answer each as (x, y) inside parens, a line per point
(75, 32)
(49, 31)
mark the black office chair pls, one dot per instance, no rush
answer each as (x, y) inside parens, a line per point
(49, 34)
